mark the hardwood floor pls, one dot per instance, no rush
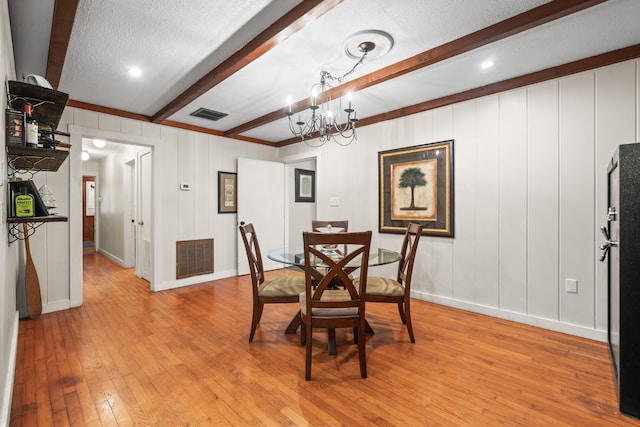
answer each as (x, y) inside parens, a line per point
(181, 357)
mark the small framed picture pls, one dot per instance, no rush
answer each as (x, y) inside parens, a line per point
(305, 185)
(227, 192)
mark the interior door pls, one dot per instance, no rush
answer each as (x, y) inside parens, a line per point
(88, 208)
(261, 201)
(143, 231)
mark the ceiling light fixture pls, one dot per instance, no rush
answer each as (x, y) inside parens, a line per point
(100, 143)
(85, 155)
(135, 72)
(326, 121)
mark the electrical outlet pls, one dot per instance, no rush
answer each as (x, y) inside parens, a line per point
(571, 286)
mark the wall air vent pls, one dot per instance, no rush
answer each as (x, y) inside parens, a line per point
(194, 257)
(205, 113)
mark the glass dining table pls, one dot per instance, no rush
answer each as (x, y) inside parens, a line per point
(294, 256)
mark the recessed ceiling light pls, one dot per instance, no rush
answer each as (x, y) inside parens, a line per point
(135, 72)
(99, 143)
(487, 64)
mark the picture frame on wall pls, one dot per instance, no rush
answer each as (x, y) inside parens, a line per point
(227, 192)
(305, 186)
(416, 185)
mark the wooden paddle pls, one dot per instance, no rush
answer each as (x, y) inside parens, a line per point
(32, 283)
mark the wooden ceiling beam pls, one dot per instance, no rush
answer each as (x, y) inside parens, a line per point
(499, 31)
(64, 14)
(296, 19)
(597, 61)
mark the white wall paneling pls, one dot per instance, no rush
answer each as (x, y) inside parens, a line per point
(465, 155)
(513, 201)
(542, 201)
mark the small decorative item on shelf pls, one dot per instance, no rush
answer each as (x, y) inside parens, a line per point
(24, 204)
(15, 127)
(47, 197)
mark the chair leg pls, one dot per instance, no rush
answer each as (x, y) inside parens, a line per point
(361, 352)
(355, 335)
(303, 334)
(255, 319)
(402, 314)
(307, 367)
(407, 312)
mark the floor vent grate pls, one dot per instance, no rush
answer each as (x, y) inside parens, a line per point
(194, 257)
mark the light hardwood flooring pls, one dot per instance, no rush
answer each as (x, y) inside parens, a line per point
(181, 357)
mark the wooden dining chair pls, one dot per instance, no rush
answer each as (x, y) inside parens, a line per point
(324, 307)
(398, 291)
(275, 291)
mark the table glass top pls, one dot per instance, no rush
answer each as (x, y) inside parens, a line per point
(295, 256)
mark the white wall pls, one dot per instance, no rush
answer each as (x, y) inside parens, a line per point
(179, 156)
(112, 197)
(300, 214)
(530, 195)
(8, 254)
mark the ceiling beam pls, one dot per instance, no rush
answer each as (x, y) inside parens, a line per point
(296, 19)
(514, 25)
(141, 117)
(593, 62)
(64, 14)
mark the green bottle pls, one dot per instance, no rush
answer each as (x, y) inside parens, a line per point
(24, 204)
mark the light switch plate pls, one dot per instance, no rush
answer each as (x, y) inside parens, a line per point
(571, 286)
(334, 201)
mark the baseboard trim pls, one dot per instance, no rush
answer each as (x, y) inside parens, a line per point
(553, 325)
(7, 394)
(195, 280)
(112, 257)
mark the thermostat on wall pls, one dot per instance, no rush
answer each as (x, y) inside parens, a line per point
(185, 187)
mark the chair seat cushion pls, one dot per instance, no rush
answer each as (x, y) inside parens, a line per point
(384, 286)
(282, 287)
(330, 295)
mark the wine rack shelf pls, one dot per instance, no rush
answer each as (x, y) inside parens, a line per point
(48, 108)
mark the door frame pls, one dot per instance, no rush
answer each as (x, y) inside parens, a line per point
(75, 201)
(288, 185)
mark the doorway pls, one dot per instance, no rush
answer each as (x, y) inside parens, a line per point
(116, 187)
(88, 214)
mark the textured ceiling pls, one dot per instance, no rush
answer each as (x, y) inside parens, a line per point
(178, 43)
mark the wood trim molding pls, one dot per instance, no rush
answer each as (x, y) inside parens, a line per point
(516, 24)
(64, 14)
(289, 24)
(170, 123)
(593, 62)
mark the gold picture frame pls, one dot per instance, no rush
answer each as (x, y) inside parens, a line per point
(227, 192)
(416, 185)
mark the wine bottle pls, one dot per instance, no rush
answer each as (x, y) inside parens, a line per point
(30, 127)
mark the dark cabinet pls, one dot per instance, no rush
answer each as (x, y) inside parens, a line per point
(622, 245)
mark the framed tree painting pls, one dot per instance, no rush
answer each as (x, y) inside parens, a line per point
(227, 192)
(416, 185)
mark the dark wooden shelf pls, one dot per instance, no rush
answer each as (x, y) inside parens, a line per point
(48, 104)
(48, 218)
(35, 159)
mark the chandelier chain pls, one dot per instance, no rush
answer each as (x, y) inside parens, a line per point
(327, 75)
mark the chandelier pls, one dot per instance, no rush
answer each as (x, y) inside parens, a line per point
(331, 119)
